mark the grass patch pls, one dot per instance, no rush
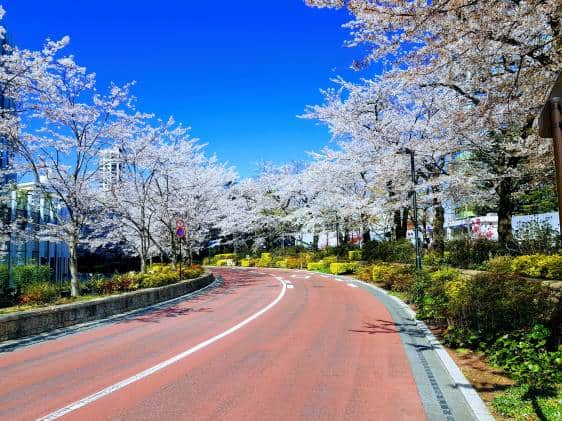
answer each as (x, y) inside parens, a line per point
(400, 295)
(512, 405)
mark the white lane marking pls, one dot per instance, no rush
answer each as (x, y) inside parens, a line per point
(339, 280)
(115, 387)
(290, 286)
(352, 285)
(300, 276)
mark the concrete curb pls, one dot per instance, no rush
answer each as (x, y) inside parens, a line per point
(42, 320)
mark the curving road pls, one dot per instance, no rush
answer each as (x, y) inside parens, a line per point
(261, 345)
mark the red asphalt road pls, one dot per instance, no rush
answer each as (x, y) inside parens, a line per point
(325, 351)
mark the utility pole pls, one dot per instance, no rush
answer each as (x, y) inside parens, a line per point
(415, 208)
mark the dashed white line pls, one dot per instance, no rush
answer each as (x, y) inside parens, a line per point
(352, 285)
(120, 385)
(290, 286)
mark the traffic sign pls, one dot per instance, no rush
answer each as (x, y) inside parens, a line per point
(180, 223)
(180, 232)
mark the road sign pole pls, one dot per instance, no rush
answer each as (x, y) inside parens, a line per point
(180, 259)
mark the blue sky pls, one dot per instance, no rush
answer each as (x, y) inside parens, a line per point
(238, 73)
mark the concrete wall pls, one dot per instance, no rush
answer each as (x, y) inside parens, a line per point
(32, 322)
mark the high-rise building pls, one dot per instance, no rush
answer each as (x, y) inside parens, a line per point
(6, 106)
(111, 167)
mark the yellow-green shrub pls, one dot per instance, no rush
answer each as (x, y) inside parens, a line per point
(224, 256)
(538, 266)
(329, 260)
(392, 276)
(246, 263)
(354, 255)
(281, 263)
(340, 268)
(306, 257)
(318, 266)
(495, 303)
(499, 264)
(365, 273)
(295, 262)
(265, 260)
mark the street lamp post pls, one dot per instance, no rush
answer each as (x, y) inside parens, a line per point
(414, 204)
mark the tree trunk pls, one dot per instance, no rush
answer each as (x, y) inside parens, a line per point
(74, 290)
(142, 257)
(366, 234)
(555, 324)
(505, 211)
(438, 244)
(400, 223)
(315, 239)
(404, 231)
(397, 222)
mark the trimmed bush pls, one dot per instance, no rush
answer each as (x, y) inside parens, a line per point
(156, 276)
(499, 264)
(246, 263)
(496, 303)
(295, 262)
(432, 258)
(30, 274)
(341, 268)
(354, 255)
(328, 260)
(538, 266)
(4, 278)
(39, 293)
(432, 299)
(399, 251)
(317, 266)
(394, 277)
(265, 260)
(281, 264)
(470, 253)
(365, 273)
(224, 256)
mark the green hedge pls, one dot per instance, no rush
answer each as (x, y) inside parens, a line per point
(4, 278)
(400, 251)
(30, 274)
(341, 268)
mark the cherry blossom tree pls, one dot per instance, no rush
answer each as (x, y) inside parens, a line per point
(75, 123)
(500, 56)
